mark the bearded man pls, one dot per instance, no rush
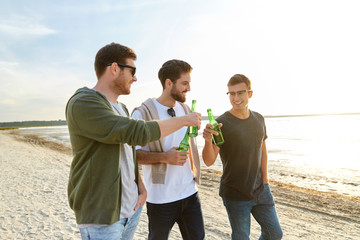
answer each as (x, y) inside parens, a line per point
(170, 175)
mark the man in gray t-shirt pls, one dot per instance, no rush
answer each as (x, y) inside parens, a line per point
(244, 184)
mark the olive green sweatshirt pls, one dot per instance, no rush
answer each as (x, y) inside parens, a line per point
(94, 188)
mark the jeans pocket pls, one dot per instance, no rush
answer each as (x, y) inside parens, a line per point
(266, 196)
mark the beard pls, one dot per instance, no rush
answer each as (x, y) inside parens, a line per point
(176, 95)
(121, 87)
(122, 90)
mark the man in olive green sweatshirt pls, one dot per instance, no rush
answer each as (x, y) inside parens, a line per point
(105, 189)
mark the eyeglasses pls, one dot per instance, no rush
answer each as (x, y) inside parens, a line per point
(240, 93)
(124, 65)
(171, 112)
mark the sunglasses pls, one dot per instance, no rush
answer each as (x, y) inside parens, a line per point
(171, 112)
(124, 65)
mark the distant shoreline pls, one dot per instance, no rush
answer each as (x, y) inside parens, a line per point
(310, 115)
(299, 115)
(18, 124)
(35, 123)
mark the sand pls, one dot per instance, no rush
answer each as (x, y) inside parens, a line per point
(34, 175)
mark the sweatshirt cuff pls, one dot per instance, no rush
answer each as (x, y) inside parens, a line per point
(154, 130)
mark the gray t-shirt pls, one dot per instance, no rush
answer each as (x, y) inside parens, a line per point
(241, 156)
(129, 189)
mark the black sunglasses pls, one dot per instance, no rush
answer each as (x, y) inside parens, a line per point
(124, 65)
(171, 112)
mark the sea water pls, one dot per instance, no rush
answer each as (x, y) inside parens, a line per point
(316, 152)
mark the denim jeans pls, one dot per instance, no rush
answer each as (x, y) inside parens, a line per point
(262, 209)
(186, 213)
(121, 230)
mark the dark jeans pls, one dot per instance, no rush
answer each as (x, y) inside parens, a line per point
(263, 210)
(186, 213)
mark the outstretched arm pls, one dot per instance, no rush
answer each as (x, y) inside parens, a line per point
(171, 125)
(210, 151)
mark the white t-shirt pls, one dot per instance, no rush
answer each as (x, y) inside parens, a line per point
(179, 180)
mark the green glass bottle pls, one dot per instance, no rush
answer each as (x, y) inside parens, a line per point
(194, 129)
(219, 139)
(184, 144)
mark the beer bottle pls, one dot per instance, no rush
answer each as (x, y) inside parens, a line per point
(184, 144)
(193, 129)
(219, 139)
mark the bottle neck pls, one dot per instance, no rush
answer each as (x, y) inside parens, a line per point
(211, 116)
(187, 133)
(193, 106)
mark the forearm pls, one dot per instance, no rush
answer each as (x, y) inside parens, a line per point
(264, 170)
(146, 158)
(171, 125)
(142, 194)
(209, 153)
(141, 186)
(264, 164)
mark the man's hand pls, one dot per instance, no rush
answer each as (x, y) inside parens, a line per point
(193, 119)
(168, 126)
(210, 150)
(142, 194)
(175, 157)
(208, 131)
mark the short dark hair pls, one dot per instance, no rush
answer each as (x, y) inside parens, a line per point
(113, 52)
(239, 78)
(172, 70)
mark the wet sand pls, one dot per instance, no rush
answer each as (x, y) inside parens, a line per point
(34, 174)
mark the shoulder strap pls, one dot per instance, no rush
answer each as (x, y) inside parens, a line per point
(185, 107)
(148, 110)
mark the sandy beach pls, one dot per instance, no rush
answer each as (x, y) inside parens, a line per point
(34, 175)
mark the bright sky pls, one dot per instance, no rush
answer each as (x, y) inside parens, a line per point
(302, 56)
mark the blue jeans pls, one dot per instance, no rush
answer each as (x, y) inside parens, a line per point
(123, 229)
(186, 213)
(262, 209)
